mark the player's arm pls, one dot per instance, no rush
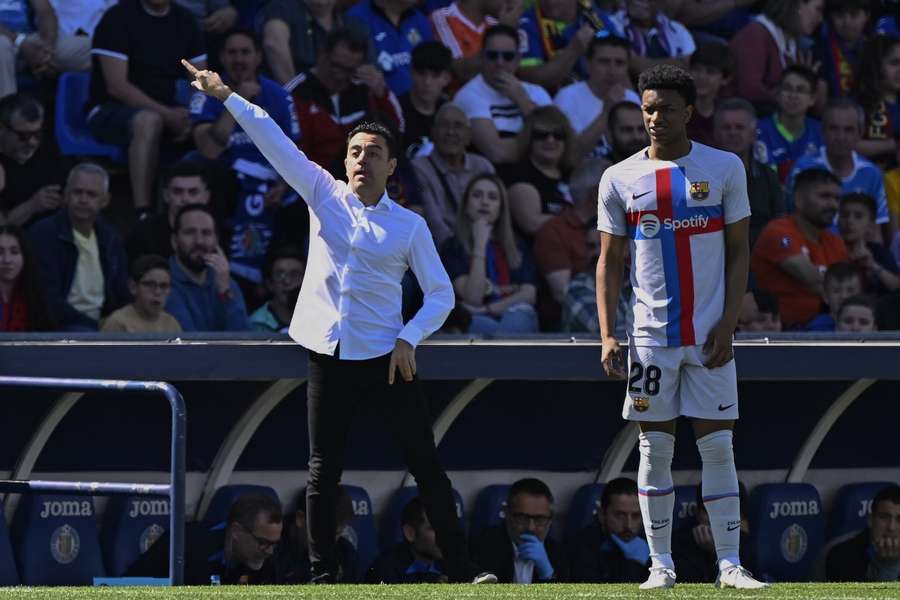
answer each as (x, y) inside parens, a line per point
(610, 269)
(737, 269)
(310, 180)
(803, 270)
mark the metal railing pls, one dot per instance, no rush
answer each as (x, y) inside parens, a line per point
(175, 489)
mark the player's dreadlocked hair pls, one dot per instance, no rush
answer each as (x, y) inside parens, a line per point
(669, 77)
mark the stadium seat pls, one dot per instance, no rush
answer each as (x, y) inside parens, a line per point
(583, 509)
(130, 525)
(685, 507)
(226, 495)
(55, 540)
(363, 525)
(8, 573)
(786, 529)
(391, 532)
(72, 132)
(852, 507)
(489, 508)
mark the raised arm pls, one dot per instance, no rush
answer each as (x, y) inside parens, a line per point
(310, 180)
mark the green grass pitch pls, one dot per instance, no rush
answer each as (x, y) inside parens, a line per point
(811, 591)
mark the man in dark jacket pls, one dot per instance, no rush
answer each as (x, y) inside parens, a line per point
(873, 554)
(417, 559)
(82, 258)
(237, 551)
(613, 549)
(518, 550)
(694, 550)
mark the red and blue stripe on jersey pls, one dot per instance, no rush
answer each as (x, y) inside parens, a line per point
(678, 267)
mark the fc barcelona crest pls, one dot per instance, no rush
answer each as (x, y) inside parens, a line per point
(699, 190)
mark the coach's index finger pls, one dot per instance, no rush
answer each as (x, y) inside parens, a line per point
(191, 68)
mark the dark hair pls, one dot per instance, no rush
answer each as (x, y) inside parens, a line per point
(501, 29)
(784, 13)
(189, 208)
(844, 103)
(734, 104)
(814, 176)
(616, 487)
(669, 77)
(185, 168)
(618, 107)
(374, 128)
(431, 56)
(23, 104)
(530, 486)
(276, 253)
(413, 513)
(868, 82)
(865, 200)
(842, 271)
(355, 40)
(858, 300)
(833, 7)
(717, 55)
(29, 283)
(803, 72)
(145, 263)
(610, 40)
(890, 493)
(765, 302)
(246, 32)
(248, 507)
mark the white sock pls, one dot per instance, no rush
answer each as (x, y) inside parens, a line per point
(720, 495)
(656, 494)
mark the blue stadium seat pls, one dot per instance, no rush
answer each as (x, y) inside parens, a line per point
(852, 507)
(363, 525)
(8, 573)
(489, 508)
(130, 525)
(391, 532)
(583, 509)
(226, 495)
(787, 529)
(55, 540)
(685, 507)
(72, 132)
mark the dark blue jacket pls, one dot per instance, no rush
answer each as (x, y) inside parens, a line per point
(199, 307)
(57, 254)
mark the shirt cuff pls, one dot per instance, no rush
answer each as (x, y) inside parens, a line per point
(411, 334)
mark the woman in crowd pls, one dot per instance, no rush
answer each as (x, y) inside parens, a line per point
(876, 90)
(538, 182)
(491, 272)
(23, 305)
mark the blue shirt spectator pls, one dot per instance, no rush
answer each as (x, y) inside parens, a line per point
(778, 148)
(395, 27)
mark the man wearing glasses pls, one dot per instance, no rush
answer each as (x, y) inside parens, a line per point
(518, 550)
(495, 101)
(30, 174)
(236, 551)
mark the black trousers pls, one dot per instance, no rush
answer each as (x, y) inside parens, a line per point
(334, 391)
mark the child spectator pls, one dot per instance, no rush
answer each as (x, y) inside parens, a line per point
(856, 222)
(840, 42)
(759, 313)
(712, 65)
(23, 305)
(857, 315)
(430, 77)
(876, 90)
(150, 282)
(842, 281)
(790, 134)
(283, 274)
(491, 273)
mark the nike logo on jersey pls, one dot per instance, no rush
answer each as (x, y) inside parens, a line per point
(721, 407)
(636, 196)
(733, 527)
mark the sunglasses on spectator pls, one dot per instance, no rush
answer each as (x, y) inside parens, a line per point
(25, 135)
(496, 55)
(543, 134)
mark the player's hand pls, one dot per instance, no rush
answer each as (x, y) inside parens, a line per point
(404, 358)
(207, 82)
(703, 537)
(887, 548)
(372, 77)
(613, 359)
(718, 349)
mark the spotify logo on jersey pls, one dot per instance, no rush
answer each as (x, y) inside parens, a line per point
(649, 225)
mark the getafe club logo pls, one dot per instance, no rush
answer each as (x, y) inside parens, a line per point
(794, 542)
(64, 544)
(150, 535)
(640, 403)
(414, 37)
(699, 190)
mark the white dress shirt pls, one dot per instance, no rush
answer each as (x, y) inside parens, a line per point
(358, 255)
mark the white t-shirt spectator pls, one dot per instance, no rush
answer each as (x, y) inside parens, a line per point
(667, 39)
(79, 15)
(480, 101)
(582, 105)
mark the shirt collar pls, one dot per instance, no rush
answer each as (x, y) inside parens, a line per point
(403, 17)
(384, 203)
(856, 164)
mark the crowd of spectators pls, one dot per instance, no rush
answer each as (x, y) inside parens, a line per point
(507, 113)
